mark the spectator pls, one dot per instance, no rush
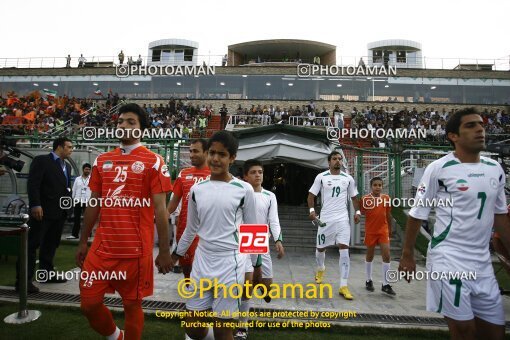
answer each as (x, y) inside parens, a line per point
(139, 60)
(317, 60)
(361, 62)
(81, 192)
(224, 60)
(223, 114)
(49, 179)
(68, 61)
(121, 57)
(202, 124)
(81, 61)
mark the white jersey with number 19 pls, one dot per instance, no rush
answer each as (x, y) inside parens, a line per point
(462, 232)
(335, 191)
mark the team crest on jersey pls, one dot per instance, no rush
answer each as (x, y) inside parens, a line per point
(107, 165)
(494, 183)
(329, 183)
(164, 171)
(137, 167)
(462, 185)
(422, 189)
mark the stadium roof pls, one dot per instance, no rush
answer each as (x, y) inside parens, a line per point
(278, 49)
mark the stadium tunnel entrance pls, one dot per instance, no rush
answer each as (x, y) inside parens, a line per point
(292, 157)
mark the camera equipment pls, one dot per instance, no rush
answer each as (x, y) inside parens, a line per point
(9, 144)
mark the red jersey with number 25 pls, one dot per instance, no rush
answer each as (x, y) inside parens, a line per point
(186, 179)
(127, 231)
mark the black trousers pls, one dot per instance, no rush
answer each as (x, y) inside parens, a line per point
(78, 209)
(45, 235)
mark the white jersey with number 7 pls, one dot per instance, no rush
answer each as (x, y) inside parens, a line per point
(462, 230)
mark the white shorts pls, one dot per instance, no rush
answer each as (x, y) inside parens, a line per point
(228, 269)
(336, 232)
(267, 265)
(466, 299)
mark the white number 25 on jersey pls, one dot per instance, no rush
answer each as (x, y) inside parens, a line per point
(121, 174)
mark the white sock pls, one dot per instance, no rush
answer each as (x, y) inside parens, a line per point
(368, 269)
(244, 309)
(320, 257)
(210, 334)
(115, 335)
(345, 264)
(385, 268)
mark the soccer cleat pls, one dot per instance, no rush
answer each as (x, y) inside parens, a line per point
(344, 291)
(319, 276)
(388, 290)
(369, 285)
(267, 298)
(241, 334)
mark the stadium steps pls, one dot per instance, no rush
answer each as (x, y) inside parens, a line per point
(212, 127)
(299, 232)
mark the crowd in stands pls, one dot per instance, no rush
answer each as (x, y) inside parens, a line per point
(40, 112)
(43, 113)
(24, 115)
(432, 121)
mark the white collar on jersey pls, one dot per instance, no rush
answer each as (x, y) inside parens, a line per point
(126, 149)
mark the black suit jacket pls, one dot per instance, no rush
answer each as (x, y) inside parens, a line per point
(47, 184)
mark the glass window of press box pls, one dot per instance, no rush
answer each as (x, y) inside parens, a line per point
(270, 87)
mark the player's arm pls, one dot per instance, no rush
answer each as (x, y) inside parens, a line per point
(357, 212)
(311, 205)
(388, 217)
(174, 203)
(274, 224)
(353, 194)
(176, 195)
(407, 262)
(429, 189)
(192, 224)
(501, 218)
(89, 220)
(163, 260)
(312, 194)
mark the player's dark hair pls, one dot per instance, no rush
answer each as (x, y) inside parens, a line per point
(202, 142)
(375, 179)
(137, 110)
(60, 141)
(332, 154)
(249, 164)
(453, 123)
(227, 139)
(86, 165)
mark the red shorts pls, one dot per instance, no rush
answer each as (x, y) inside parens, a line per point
(187, 259)
(371, 240)
(137, 284)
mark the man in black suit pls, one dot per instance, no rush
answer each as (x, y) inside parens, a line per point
(49, 179)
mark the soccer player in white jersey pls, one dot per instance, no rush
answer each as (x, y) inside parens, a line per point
(267, 213)
(460, 243)
(335, 187)
(215, 209)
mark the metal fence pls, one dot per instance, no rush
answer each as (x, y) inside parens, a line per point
(494, 64)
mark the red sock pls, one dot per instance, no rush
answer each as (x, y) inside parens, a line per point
(133, 326)
(100, 318)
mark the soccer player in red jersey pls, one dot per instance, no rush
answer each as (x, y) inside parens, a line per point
(199, 172)
(124, 239)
